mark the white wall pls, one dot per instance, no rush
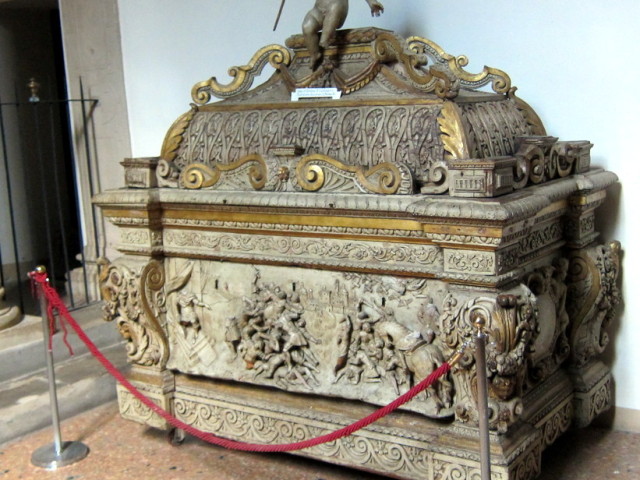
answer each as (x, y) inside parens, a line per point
(575, 62)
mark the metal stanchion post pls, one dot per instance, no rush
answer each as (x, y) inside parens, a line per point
(483, 392)
(58, 453)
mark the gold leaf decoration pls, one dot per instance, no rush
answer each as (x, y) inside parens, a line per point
(243, 76)
(198, 175)
(175, 135)
(384, 178)
(387, 47)
(452, 133)
(500, 81)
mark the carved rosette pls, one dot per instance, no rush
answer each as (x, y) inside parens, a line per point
(134, 299)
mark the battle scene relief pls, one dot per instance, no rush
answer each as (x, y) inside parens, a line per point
(350, 335)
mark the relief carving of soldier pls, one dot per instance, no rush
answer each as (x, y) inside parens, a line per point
(189, 321)
(272, 339)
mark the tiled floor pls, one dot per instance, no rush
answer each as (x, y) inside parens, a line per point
(125, 450)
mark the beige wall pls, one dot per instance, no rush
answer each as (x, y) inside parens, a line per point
(91, 36)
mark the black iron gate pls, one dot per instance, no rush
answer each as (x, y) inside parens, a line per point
(42, 216)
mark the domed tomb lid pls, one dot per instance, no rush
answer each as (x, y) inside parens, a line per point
(406, 115)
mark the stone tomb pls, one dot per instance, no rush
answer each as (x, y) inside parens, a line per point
(289, 266)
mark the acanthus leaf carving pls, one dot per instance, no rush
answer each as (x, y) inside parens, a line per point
(135, 301)
(512, 326)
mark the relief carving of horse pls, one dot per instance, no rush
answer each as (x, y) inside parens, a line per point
(421, 357)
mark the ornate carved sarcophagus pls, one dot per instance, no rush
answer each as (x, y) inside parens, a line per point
(291, 263)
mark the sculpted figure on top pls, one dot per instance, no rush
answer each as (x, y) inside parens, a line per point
(327, 16)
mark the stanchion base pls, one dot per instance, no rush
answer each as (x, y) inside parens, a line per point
(71, 452)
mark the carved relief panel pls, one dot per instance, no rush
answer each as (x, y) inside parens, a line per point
(350, 335)
(356, 135)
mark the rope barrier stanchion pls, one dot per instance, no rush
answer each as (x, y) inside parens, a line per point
(483, 392)
(55, 303)
(59, 453)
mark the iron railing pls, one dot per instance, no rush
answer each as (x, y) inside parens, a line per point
(42, 142)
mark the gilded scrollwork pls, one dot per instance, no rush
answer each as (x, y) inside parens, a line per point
(388, 47)
(197, 176)
(356, 136)
(320, 172)
(500, 81)
(243, 76)
(135, 301)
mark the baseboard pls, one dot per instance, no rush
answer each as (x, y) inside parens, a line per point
(626, 420)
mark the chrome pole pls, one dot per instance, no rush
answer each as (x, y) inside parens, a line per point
(58, 453)
(483, 394)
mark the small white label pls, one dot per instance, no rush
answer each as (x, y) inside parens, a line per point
(332, 93)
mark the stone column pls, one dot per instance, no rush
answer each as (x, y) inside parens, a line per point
(91, 36)
(9, 315)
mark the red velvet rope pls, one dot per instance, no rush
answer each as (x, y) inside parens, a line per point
(42, 279)
(55, 303)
